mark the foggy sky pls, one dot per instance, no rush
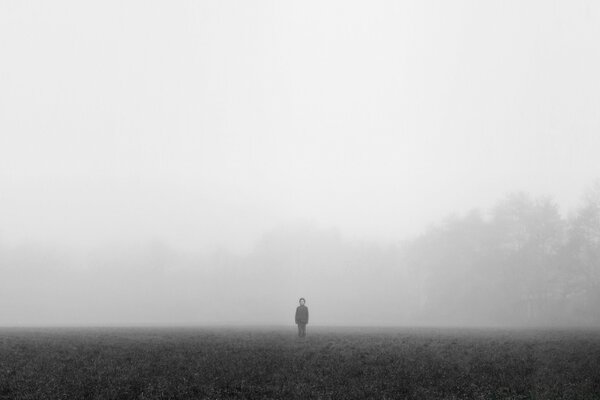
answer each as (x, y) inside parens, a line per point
(205, 124)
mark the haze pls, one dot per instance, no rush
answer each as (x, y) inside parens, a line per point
(189, 132)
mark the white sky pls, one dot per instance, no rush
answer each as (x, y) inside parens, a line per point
(206, 123)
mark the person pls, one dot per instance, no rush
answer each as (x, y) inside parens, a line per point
(302, 317)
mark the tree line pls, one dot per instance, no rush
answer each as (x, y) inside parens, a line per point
(523, 263)
(520, 263)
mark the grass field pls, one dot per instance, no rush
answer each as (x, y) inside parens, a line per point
(272, 363)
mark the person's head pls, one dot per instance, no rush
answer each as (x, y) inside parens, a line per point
(302, 301)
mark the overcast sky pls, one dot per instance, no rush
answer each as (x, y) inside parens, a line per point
(207, 123)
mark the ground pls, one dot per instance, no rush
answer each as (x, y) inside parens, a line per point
(330, 363)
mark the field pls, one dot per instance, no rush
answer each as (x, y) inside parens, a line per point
(330, 363)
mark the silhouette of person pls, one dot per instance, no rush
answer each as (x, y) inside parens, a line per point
(302, 317)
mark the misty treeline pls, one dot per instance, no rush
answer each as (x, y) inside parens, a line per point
(523, 264)
(520, 263)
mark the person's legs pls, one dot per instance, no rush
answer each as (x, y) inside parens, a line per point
(302, 330)
(299, 330)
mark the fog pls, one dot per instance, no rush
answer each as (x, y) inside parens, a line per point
(395, 163)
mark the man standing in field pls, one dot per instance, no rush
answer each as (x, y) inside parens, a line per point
(302, 317)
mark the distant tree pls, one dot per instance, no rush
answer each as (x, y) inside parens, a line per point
(528, 235)
(452, 273)
(582, 255)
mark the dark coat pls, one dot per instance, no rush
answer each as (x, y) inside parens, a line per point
(302, 315)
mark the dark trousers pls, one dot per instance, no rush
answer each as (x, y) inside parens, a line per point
(301, 330)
